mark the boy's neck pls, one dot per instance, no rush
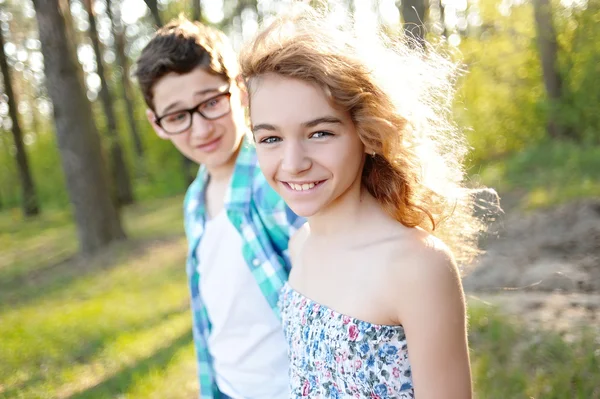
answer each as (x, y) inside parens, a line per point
(222, 173)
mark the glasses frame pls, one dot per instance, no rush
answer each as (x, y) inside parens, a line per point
(195, 109)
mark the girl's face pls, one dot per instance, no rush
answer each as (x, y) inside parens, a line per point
(308, 150)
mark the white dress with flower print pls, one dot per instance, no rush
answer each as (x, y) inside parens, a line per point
(336, 356)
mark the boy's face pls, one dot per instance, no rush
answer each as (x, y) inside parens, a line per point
(213, 142)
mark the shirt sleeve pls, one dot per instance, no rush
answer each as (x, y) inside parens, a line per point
(279, 220)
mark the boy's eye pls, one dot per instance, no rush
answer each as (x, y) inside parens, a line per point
(320, 135)
(176, 117)
(270, 140)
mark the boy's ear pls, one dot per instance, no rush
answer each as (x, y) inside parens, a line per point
(152, 119)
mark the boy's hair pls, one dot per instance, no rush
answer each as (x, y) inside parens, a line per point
(399, 99)
(181, 46)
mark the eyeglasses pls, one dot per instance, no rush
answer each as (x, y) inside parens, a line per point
(210, 109)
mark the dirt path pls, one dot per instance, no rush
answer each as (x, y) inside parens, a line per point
(561, 312)
(543, 267)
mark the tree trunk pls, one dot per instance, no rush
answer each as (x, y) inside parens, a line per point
(118, 167)
(197, 10)
(413, 13)
(153, 6)
(87, 182)
(35, 116)
(117, 30)
(65, 9)
(548, 48)
(29, 197)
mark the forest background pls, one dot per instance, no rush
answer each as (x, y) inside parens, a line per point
(93, 297)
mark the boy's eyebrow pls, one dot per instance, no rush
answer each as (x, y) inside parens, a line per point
(198, 93)
(308, 124)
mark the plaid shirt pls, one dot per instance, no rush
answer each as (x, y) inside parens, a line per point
(265, 224)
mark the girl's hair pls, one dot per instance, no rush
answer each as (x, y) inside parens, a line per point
(399, 97)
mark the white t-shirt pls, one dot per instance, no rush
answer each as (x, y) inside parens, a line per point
(246, 341)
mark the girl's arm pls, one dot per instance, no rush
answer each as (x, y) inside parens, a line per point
(431, 307)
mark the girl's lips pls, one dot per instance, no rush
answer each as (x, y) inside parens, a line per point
(210, 146)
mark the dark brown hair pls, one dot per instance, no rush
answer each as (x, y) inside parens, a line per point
(181, 46)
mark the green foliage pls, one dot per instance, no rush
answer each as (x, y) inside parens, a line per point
(501, 105)
(499, 100)
(158, 174)
(502, 101)
(579, 40)
(550, 173)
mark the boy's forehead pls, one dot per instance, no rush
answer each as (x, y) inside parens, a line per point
(174, 87)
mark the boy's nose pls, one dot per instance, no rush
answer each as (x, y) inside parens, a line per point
(201, 127)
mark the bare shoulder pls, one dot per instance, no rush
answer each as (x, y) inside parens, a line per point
(297, 240)
(419, 256)
(422, 270)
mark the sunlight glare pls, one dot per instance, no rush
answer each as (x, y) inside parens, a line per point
(132, 10)
(454, 40)
(213, 10)
(389, 13)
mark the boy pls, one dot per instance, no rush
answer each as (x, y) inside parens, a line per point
(237, 227)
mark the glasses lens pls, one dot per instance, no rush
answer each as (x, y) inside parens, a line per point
(176, 122)
(215, 107)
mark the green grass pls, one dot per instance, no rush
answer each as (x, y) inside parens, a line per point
(118, 326)
(511, 360)
(549, 174)
(114, 326)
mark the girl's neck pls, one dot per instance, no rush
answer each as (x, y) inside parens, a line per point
(345, 215)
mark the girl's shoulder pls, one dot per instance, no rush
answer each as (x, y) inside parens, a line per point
(419, 268)
(418, 254)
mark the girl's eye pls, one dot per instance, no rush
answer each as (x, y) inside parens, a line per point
(320, 135)
(270, 140)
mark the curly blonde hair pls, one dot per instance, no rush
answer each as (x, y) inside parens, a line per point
(398, 96)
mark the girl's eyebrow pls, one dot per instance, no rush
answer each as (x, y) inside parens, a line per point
(323, 119)
(263, 126)
(308, 124)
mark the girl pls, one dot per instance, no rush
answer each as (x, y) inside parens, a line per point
(374, 306)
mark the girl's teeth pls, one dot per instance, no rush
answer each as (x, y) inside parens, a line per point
(302, 187)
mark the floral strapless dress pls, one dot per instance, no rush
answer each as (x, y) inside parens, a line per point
(336, 356)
